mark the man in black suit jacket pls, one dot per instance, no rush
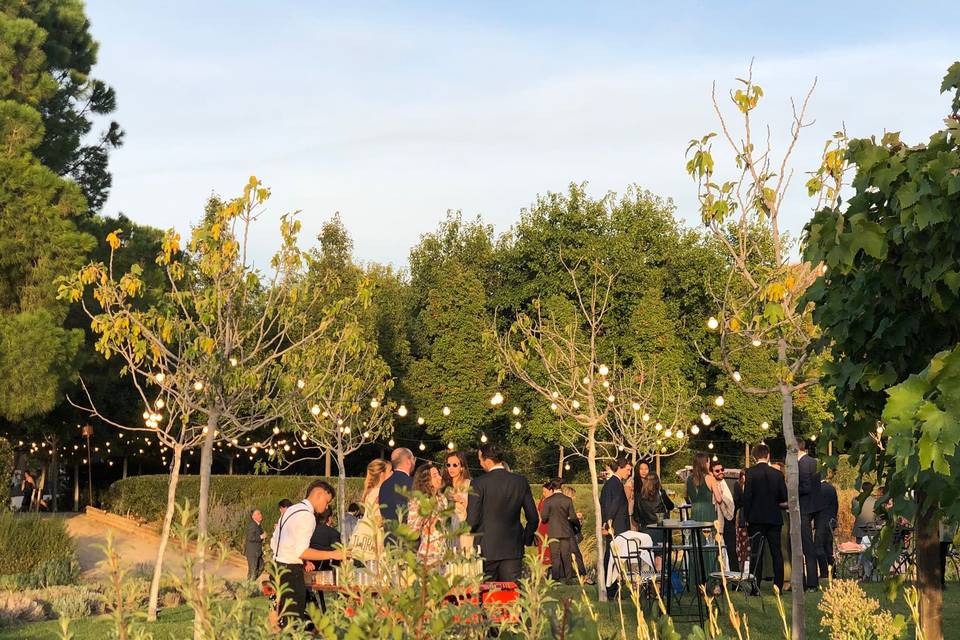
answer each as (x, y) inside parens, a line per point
(493, 513)
(391, 500)
(808, 480)
(764, 495)
(613, 497)
(253, 545)
(559, 513)
(826, 523)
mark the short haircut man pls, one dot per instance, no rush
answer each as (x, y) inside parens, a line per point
(492, 452)
(322, 485)
(761, 452)
(402, 458)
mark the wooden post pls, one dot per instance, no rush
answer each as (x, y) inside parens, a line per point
(327, 466)
(76, 486)
(746, 456)
(124, 467)
(560, 464)
(830, 448)
(658, 464)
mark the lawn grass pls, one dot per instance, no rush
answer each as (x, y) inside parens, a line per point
(176, 624)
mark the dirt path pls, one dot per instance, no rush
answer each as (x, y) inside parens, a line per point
(134, 550)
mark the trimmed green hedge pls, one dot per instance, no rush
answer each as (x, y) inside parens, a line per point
(31, 542)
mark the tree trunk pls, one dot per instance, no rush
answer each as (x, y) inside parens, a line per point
(793, 507)
(203, 506)
(560, 464)
(41, 486)
(164, 533)
(598, 518)
(230, 466)
(326, 467)
(76, 486)
(928, 571)
(124, 467)
(55, 475)
(657, 462)
(746, 456)
(341, 491)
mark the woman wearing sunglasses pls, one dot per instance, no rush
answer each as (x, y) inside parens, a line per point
(456, 484)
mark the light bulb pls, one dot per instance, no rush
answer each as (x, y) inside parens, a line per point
(483, 438)
(233, 362)
(705, 419)
(606, 384)
(695, 429)
(635, 406)
(390, 442)
(346, 430)
(566, 466)
(497, 399)
(714, 458)
(611, 398)
(712, 323)
(603, 370)
(517, 425)
(402, 411)
(159, 404)
(710, 446)
(301, 384)
(253, 450)
(374, 403)
(658, 427)
(736, 376)
(339, 422)
(668, 432)
(679, 434)
(620, 448)
(159, 377)
(446, 411)
(586, 379)
(450, 446)
(718, 401)
(764, 425)
(366, 435)
(516, 411)
(420, 421)
(553, 406)
(276, 431)
(756, 342)
(198, 386)
(575, 404)
(814, 437)
(315, 409)
(146, 415)
(645, 417)
(206, 429)
(423, 447)
(286, 447)
(555, 394)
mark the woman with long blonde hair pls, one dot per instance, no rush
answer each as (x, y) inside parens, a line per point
(366, 543)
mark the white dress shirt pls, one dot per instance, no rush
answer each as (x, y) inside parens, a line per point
(293, 533)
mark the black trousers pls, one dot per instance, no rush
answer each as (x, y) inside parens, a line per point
(254, 564)
(578, 556)
(811, 577)
(730, 542)
(823, 541)
(507, 570)
(771, 537)
(293, 602)
(561, 558)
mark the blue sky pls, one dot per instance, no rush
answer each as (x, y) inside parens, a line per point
(393, 113)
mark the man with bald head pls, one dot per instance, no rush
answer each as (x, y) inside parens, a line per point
(391, 501)
(253, 545)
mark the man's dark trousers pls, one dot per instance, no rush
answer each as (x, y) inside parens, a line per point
(293, 602)
(507, 570)
(771, 536)
(823, 541)
(811, 565)
(561, 558)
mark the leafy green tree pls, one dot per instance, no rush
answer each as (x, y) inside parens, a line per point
(73, 99)
(760, 303)
(889, 308)
(39, 239)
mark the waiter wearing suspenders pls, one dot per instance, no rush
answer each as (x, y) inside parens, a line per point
(294, 530)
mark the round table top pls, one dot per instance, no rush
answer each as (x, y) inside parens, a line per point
(682, 525)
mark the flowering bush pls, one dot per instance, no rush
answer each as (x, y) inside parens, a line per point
(848, 614)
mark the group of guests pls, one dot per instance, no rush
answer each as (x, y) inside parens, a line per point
(496, 511)
(753, 508)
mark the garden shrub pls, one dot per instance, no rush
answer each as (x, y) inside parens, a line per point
(78, 601)
(17, 608)
(6, 470)
(29, 541)
(848, 614)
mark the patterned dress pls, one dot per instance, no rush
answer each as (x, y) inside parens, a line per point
(433, 534)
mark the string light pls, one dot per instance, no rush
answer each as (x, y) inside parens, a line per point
(705, 419)
(450, 446)
(736, 376)
(497, 399)
(146, 415)
(668, 432)
(301, 384)
(756, 342)
(586, 379)
(276, 431)
(517, 425)
(764, 425)
(159, 404)
(718, 401)
(446, 411)
(553, 406)
(645, 417)
(603, 370)
(315, 409)
(555, 394)
(611, 398)
(695, 429)
(516, 411)
(635, 406)
(679, 434)
(712, 323)
(710, 446)
(420, 421)
(402, 411)
(714, 457)
(483, 438)
(575, 404)
(233, 362)
(566, 466)
(198, 386)
(423, 447)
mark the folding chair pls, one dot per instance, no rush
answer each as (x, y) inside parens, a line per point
(631, 559)
(736, 580)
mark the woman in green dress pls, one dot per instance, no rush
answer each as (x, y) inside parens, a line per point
(703, 494)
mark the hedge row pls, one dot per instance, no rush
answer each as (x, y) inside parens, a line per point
(31, 541)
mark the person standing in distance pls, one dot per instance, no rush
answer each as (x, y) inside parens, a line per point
(391, 499)
(613, 497)
(493, 513)
(808, 481)
(253, 545)
(764, 494)
(559, 514)
(294, 531)
(826, 523)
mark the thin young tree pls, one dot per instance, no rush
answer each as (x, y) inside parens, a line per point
(338, 402)
(761, 303)
(650, 415)
(560, 359)
(216, 344)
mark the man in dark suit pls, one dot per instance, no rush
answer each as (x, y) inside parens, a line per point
(808, 480)
(395, 490)
(826, 523)
(613, 497)
(764, 495)
(560, 515)
(493, 513)
(253, 545)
